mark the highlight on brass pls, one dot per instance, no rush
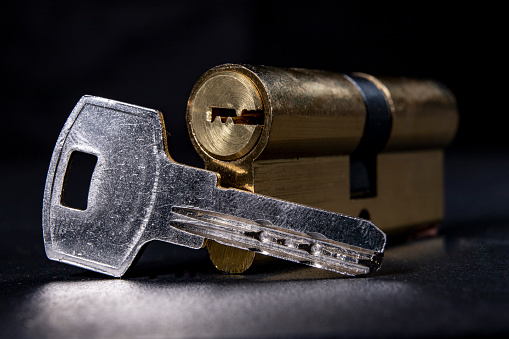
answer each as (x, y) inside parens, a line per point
(354, 144)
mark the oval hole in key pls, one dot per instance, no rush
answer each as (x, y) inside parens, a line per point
(77, 180)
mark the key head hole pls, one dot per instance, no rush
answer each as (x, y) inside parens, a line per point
(77, 180)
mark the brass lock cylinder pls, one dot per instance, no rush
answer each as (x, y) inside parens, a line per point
(241, 111)
(237, 111)
(353, 144)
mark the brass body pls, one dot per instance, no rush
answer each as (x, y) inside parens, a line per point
(290, 134)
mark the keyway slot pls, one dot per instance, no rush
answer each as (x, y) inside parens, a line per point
(247, 117)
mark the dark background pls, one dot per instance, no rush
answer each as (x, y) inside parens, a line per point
(150, 53)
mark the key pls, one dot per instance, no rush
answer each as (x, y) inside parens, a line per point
(138, 194)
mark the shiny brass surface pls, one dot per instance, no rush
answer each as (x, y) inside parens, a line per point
(220, 112)
(313, 121)
(229, 259)
(408, 186)
(424, 113)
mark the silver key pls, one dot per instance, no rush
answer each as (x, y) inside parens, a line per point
(139, 194)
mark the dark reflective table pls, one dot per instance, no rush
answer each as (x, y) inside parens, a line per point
(453, 285)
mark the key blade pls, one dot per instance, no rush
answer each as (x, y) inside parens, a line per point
(127, 141)
(286, 230)
(261, 236)
(187, 192)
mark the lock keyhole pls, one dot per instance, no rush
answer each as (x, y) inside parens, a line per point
(247, 117)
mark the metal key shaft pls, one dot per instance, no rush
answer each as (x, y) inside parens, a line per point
(139, 194)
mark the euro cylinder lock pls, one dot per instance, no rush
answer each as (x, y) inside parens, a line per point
(353, 144)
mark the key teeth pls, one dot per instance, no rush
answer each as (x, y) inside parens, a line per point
(281, 243)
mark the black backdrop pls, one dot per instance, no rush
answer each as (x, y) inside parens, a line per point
(150, 53)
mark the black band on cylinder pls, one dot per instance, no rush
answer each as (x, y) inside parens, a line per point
(377, 130)
(378, 117)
